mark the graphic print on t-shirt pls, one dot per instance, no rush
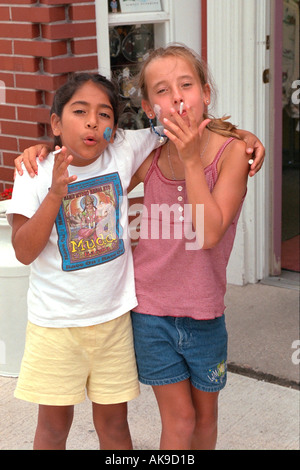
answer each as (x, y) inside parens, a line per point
(88, 224)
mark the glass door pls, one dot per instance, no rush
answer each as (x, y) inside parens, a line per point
(129, 45)
(290, 137)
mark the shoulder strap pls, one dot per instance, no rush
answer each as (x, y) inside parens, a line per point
(221, 150)
(153, 163)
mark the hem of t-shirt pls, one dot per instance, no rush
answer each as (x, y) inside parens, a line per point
(89, 321)
(206, 313)
(11, 212)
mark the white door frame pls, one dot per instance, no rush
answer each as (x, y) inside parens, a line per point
(237, 54)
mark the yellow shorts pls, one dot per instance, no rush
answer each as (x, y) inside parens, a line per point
(60, 364)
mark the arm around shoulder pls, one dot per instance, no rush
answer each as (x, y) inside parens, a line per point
(29, 157)
(255, 150)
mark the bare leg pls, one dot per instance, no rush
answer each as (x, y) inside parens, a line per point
(206, 406)
(189, 416)
(53, 427)
(112, 427)
(177, 415)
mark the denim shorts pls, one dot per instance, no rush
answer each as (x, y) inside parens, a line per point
(172, 349)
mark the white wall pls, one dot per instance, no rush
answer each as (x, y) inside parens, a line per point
(237, 56)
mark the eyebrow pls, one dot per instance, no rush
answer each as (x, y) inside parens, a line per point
(165, 82)
(85, 103)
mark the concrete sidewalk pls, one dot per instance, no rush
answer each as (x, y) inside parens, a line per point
(263, 329)
(263, 324)
(253, 415)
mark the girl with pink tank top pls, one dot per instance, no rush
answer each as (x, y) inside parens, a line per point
(194, 188)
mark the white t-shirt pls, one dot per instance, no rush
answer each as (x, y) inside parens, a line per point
(84, 275)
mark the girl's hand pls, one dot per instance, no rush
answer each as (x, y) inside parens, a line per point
(185, 137)
(255, 150)
(29, 156)
(60, 175)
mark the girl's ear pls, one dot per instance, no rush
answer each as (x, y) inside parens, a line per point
(148, 109)
(55, 124)
(206, 94)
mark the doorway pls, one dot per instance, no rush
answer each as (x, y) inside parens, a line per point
(290, 226)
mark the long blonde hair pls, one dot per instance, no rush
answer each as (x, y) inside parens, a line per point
(218, 125)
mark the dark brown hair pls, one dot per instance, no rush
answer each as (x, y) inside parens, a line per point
(76, 81)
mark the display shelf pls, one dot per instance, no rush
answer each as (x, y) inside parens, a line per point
(115, 19)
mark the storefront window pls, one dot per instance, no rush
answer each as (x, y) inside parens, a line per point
(127, 30)
(129, 46)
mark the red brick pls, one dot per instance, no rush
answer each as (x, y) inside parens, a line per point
(34, 114)
(70, 64)
(84, 46)
(82, 12)
(25, 143)
(43, 115)
(4, 14)
(66, 2)
(22, 128)
(19, 2)
(41, 14)
(8, 143)
(5, 47)
(9, 158)
(40, 48)
(49, 130)
(49, 98)
(19, 30)
(6, 174)
(40, 81)
(7, 78)
(7, 112)
(31, 98)
(19, 64)
(68, 30)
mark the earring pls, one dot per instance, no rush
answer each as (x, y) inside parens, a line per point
(161, 136)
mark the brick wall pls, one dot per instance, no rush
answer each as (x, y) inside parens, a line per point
(40, 43)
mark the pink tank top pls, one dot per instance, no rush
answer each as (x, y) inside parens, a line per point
(171, 280)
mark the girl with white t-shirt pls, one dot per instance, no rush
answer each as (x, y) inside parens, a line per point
(79, 334)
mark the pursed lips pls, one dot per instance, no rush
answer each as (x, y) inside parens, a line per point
(90, 140)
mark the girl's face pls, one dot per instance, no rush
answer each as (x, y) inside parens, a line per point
(86, 126)
(170, 81)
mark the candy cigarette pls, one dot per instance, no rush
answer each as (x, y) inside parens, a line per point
(181, 107)
(250, 161)
(57, 151)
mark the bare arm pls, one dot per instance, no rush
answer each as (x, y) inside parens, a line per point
(141, 172)
(29, 158)
(30, 236)
(255, 150)
(222, 204)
